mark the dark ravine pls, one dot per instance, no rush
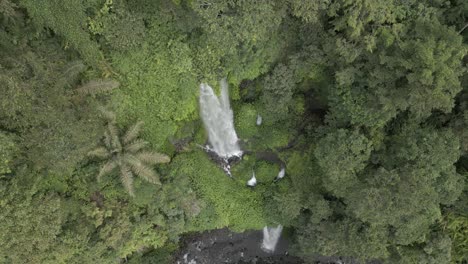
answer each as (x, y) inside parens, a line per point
(224, 246)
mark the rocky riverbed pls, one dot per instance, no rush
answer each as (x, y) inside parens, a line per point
(222, 246)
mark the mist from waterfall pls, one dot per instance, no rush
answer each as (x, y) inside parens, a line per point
(271, 236)
(218, 119)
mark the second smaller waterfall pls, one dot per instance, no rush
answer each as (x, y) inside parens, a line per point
(271, 236)
(253, 181)
(259, 120)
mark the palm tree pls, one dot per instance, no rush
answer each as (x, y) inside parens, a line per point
(127, 154)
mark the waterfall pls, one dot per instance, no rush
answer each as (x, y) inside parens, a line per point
(218, 119)
(259, 120)
(253, 181)
(271, 236)
(281, 174)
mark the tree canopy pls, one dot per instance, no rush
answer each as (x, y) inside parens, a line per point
(364, 104)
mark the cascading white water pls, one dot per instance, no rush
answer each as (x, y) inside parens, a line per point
(271, 236)
(253, 181)
(259, 120)
(218, 118)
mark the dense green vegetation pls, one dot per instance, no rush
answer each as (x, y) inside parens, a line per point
(365, 102)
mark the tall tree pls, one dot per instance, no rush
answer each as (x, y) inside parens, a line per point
(381, 71)
(341, 155)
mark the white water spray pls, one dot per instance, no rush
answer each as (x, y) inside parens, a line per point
(259, 120)
(271, 237)
(253, 181)
(218, 118)
(281, 174)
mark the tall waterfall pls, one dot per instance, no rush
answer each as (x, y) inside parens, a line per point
(218, 118)
(271, 236)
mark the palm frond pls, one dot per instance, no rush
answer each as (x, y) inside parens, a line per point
(141, 170)
(71, 72)
(114, 136)
(73, 69)
(136, 146)
(126, 154)
(107, 168)
(100, 152)
(108, 115)
(126, 177)
(97, 86)
(132, 132)
(152, 158)
(107, 140)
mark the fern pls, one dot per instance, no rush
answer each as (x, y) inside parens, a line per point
(107, 115)
(133, 132)
(97, 86)
(143, 171)
(100, 152)
(127, 179)
(136, 146)
(72, 71)
(457, 227)
(127, 154)
(106, 169)
(107, 140)
(114, 136)
(152, 157)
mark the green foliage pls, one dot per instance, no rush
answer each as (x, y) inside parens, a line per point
(359, 16)
(283, 208)
(30, 225)
(54, 129)
(453, 13)
(400, 192)
(245, 121)
(159, 88)
(380, 177)
(344, 237)
(8, 10)
(235, 205)
(8, 150)
(457, 227)
(69, 21)
(97, 86)
(435, 250)
(238, 38)
(126, 152)
(120, 29)
(415, 68)
(162, 255)
(305, 173)
(277, 94)
(421, 158)
(309, 11)
(459, 124)
(342, 154)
